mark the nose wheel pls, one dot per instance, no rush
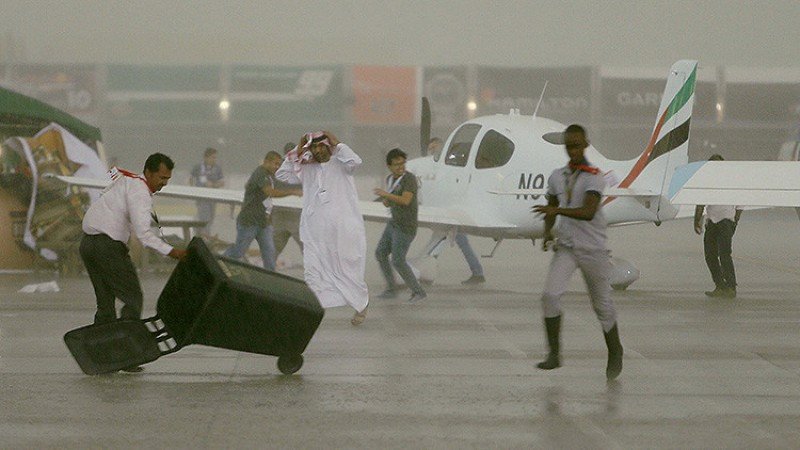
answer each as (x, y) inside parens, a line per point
(289, 364)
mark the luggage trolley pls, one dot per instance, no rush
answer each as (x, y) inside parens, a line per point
(208, 300)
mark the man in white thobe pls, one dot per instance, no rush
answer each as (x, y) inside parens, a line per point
(331, 225)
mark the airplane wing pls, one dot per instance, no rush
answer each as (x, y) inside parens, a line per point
(429, 217)
(747, 183)
(434, 217)
(176, 191)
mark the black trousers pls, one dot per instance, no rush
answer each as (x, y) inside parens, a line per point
(718, 245)
(113, 276)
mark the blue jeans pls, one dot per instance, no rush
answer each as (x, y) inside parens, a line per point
(396, 243)
(472, 259)
(245, 236)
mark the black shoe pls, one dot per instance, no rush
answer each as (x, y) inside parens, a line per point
(388, 293)
(133, 369)
(552, 362)
(717, 292)
(475, 279)
(417, 297)
(728, 293)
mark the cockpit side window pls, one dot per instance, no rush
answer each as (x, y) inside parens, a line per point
(495, 150)
(460, 144)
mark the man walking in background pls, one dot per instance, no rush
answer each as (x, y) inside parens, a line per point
(721, 221)
(254, 220)
(206, 174)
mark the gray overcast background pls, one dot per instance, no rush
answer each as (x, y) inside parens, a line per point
(507, 33)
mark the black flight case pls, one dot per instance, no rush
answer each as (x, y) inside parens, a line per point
(208, 300)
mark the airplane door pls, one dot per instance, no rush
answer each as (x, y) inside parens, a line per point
(493, 151)
(454, 173)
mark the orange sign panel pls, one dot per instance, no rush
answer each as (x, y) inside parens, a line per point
(384, 95)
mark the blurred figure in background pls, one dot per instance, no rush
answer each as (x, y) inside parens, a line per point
(434, 149)
(286, 224)
(254, 220)
(206, 174)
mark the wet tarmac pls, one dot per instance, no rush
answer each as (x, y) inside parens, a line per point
(458, 370)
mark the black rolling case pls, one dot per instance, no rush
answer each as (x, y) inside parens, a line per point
(214, 301)
(109, 347)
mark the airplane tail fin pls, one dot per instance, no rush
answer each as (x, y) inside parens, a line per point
(668, 146)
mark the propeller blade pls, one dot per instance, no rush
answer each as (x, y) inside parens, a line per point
(425, 127)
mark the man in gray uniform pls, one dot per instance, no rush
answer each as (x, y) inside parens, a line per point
(575, 192)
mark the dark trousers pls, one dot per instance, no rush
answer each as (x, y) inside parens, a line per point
(717, 243)
(395, 242)
(113, 276)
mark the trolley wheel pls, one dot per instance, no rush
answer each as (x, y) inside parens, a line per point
(289, 364)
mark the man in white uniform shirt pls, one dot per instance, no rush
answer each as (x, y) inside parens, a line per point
(718, 243)
(125, 206)
(575, 193)
(331, 224)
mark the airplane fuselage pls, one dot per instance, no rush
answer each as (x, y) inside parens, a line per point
(506, 153)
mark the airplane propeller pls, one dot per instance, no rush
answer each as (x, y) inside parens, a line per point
(425, 127)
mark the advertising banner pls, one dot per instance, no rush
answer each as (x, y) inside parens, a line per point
(70, 88)
(286, 94)
(636, 100)
(567, 98)
(446, 90)
(189, 94)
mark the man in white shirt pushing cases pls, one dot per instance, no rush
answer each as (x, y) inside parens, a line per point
(125, 205)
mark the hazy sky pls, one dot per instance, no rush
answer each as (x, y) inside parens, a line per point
(401, 32)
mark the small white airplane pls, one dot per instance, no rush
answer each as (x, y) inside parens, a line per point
(492, 169)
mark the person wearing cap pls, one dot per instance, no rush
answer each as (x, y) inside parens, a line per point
(721, 221)
(254, 221)
(206, 174)
(331, 224)
(574, 192)
(400, 196)
(125, 205)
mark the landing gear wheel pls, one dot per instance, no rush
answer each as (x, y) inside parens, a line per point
(289, 364)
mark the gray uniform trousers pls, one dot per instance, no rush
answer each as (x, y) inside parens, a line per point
(595, 265)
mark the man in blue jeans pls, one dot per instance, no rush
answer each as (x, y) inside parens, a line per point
(400, 195)
(472, 260)
(254, 220)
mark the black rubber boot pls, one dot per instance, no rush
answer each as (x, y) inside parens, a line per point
(553, 327)
(614, 366)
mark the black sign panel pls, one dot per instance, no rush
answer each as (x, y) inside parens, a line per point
(566, 99)
(762, 102)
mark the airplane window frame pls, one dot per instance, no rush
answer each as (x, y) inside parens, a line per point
(459, 148)
(494, 159)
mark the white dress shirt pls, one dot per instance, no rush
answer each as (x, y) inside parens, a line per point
(125, 205)
(718, 213)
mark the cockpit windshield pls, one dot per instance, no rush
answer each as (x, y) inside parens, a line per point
(460, 144)
(495, 150)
